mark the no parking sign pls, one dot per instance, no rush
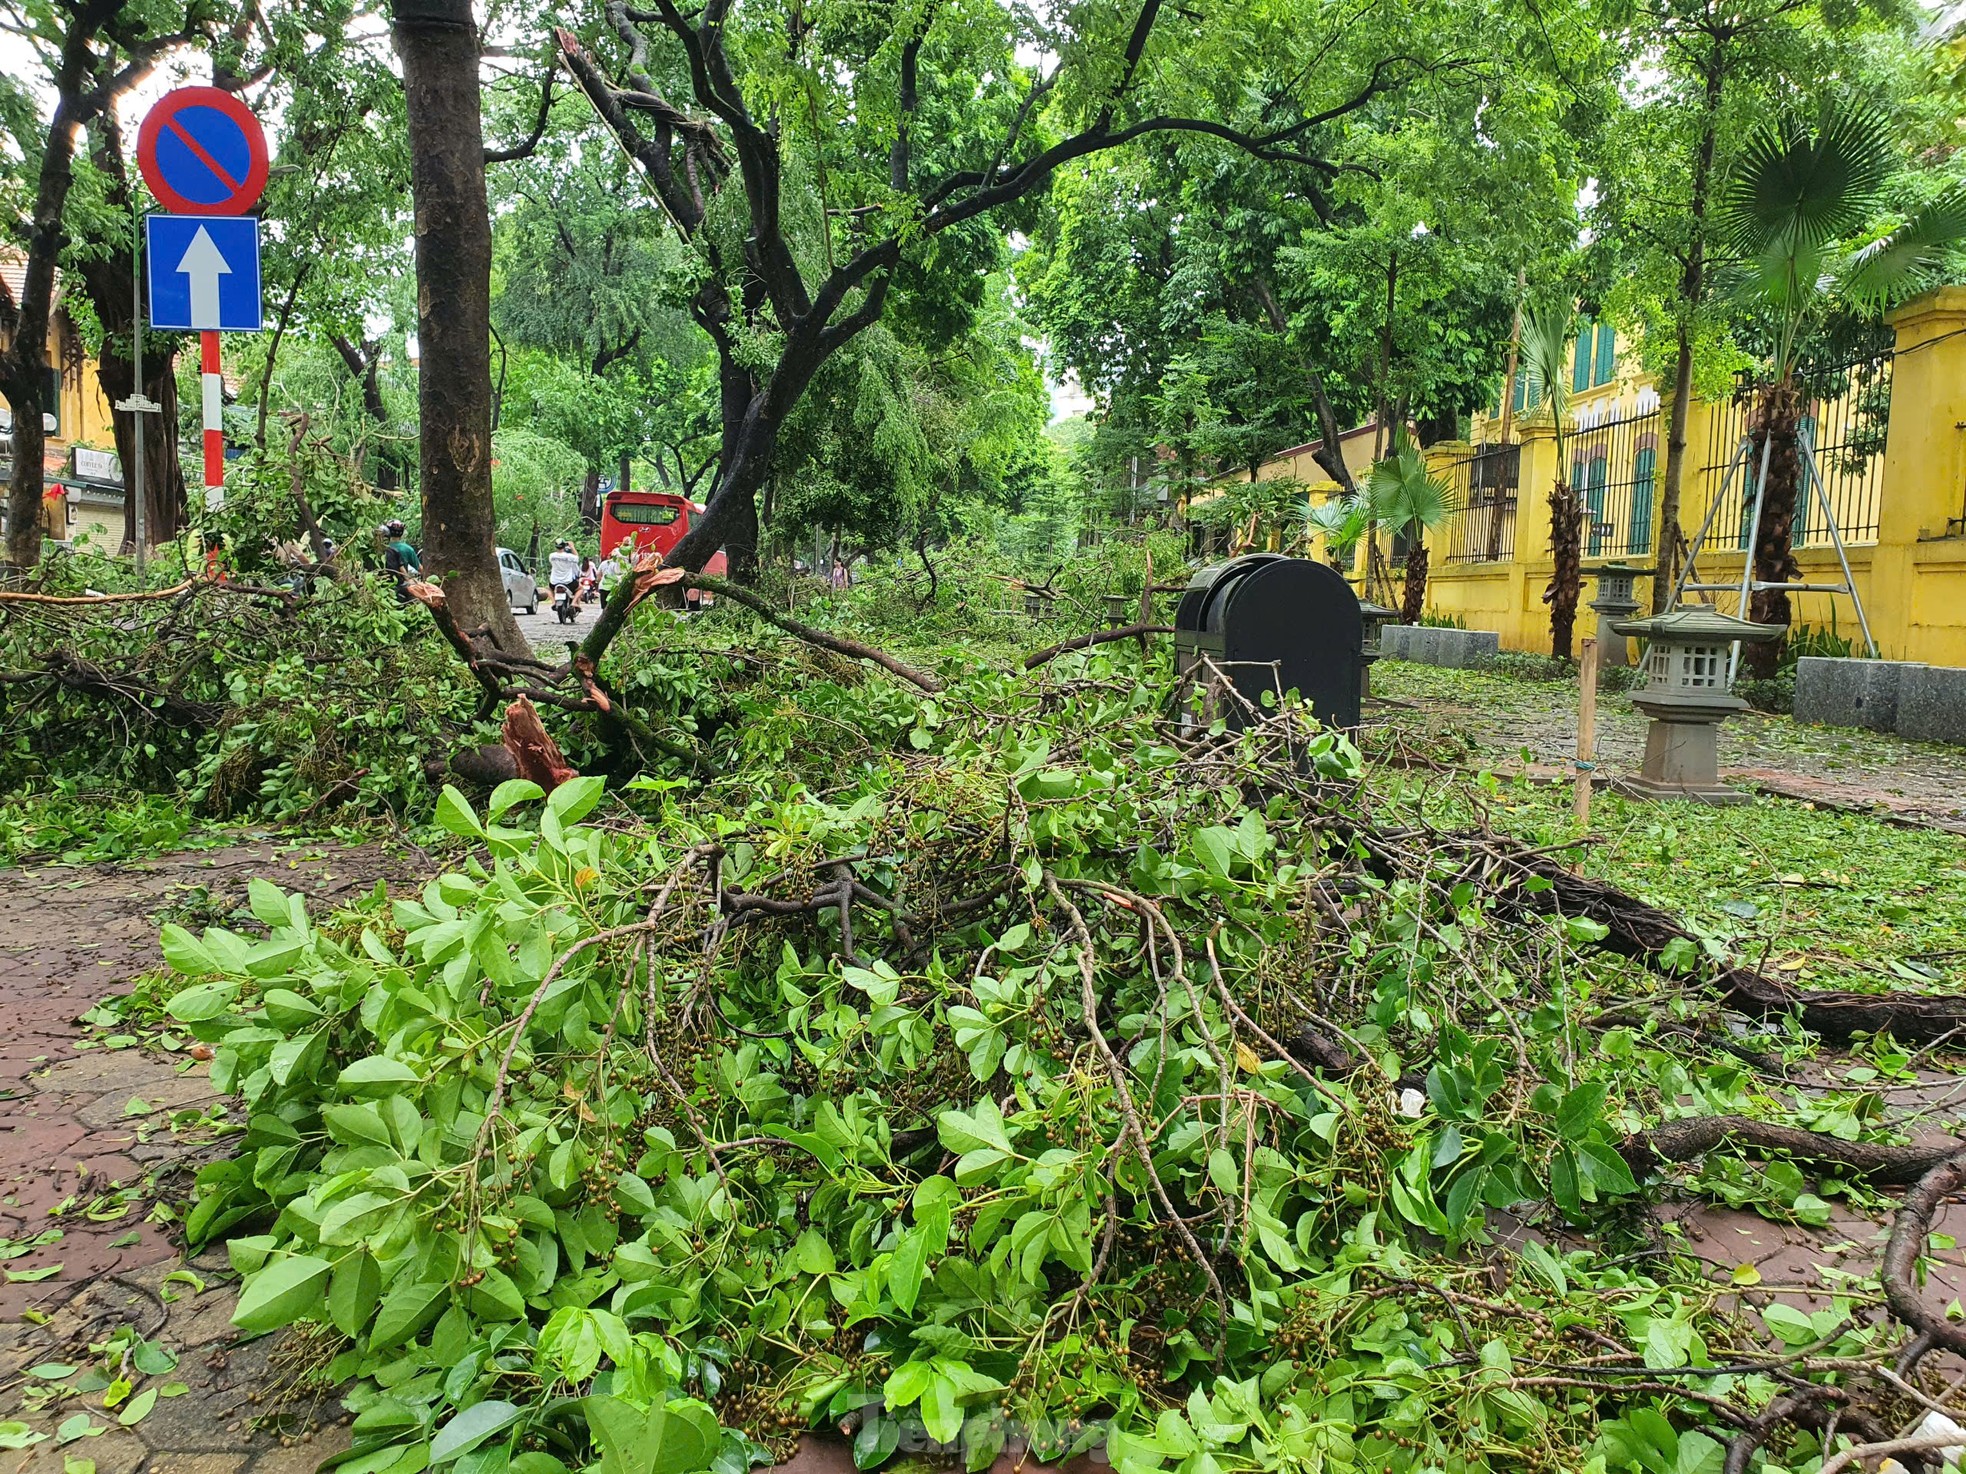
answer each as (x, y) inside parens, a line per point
(202, 152)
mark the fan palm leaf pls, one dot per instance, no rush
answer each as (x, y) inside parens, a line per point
(1797, 188)
(1407, 497)
(1545, 353)
(1879, 273)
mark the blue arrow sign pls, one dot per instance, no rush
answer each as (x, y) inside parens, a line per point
(204, 272)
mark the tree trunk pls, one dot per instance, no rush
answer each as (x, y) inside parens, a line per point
(364, 363)
(1777, 421)
(1567, 579)
(590, 500)
(24, 365)
(1692, 286)
(1414, 602)
(22, 389)
(438, 43)
(624, 469)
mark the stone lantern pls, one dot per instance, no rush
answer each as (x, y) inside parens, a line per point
(1376, 617)
(1615, 600)
(1688, 694)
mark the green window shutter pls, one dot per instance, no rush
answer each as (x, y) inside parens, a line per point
(1641, 517)
(1580, 372)
(1521, 394)
(1606, 368)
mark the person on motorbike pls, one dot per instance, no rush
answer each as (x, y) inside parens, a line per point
(563, 568)
(399, 558)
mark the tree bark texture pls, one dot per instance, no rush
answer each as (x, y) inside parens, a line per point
(1567, 578)
(1414, 600)
(24, 364)
(1692, 286)
(1776, 424)
(438, 43)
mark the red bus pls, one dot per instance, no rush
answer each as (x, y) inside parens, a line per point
(650, 521)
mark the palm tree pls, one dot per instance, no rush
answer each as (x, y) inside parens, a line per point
(1545, 337)
(1798, 210)
(1408, 500)
(1341, 521)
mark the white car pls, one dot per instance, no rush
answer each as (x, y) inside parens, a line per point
(521, 588)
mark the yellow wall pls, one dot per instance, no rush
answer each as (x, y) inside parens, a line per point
(84, 419)
(1911, 577)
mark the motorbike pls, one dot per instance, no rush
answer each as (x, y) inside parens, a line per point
(563, 605)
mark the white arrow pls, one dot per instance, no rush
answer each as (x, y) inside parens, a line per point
(204, 263)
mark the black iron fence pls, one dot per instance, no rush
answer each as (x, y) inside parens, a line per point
(1485, 486)
(1846, 414)
(1614, 467)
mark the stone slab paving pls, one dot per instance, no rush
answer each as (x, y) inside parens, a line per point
(1502, 718)
(84, 1124)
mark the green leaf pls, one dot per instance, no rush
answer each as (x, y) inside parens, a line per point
(575, 798)
(511, 792)
(15, 1434)
(281, 1293)
(472, 1427)
(904, 1273)
(1580, 1110)
(184, 952)
(1215, 848)
(966, 1131)
(138, 1408)
(940, 1414)
(454, 813)
(376, 1075)
(195, 1005)
(876, 1441)
(672, 1439)
(354, 1292)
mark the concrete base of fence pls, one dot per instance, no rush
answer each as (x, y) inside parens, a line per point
(1932, 703)
(1425, 644)
(1850, 693)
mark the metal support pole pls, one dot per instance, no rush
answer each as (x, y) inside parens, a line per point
(1836, 536)
(214, 405)
(1691, 569)
(134, 473)
(1747, 560)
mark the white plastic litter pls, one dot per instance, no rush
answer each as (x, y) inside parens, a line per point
(1936, 1425)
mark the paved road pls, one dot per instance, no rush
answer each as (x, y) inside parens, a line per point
(548, 636)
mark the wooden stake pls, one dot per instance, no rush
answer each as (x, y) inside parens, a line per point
(1586, 731)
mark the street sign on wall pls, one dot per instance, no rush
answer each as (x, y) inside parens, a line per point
(204, 272)
(202, 152)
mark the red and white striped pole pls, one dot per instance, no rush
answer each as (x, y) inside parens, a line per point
(214, 396)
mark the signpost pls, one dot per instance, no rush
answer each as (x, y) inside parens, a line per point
(203, 154)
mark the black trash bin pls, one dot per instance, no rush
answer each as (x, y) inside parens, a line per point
(1275, 624)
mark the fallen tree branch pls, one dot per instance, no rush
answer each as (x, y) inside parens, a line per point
(1684, 1140)
(534, 752)
(432, 598)
(1098, 637)
(838, 644)
(1898, 1269)
(90, 679)
(21, 596)
(1643, 933)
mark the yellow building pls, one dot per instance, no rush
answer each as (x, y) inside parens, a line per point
(1890, 438)
(81, 450)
